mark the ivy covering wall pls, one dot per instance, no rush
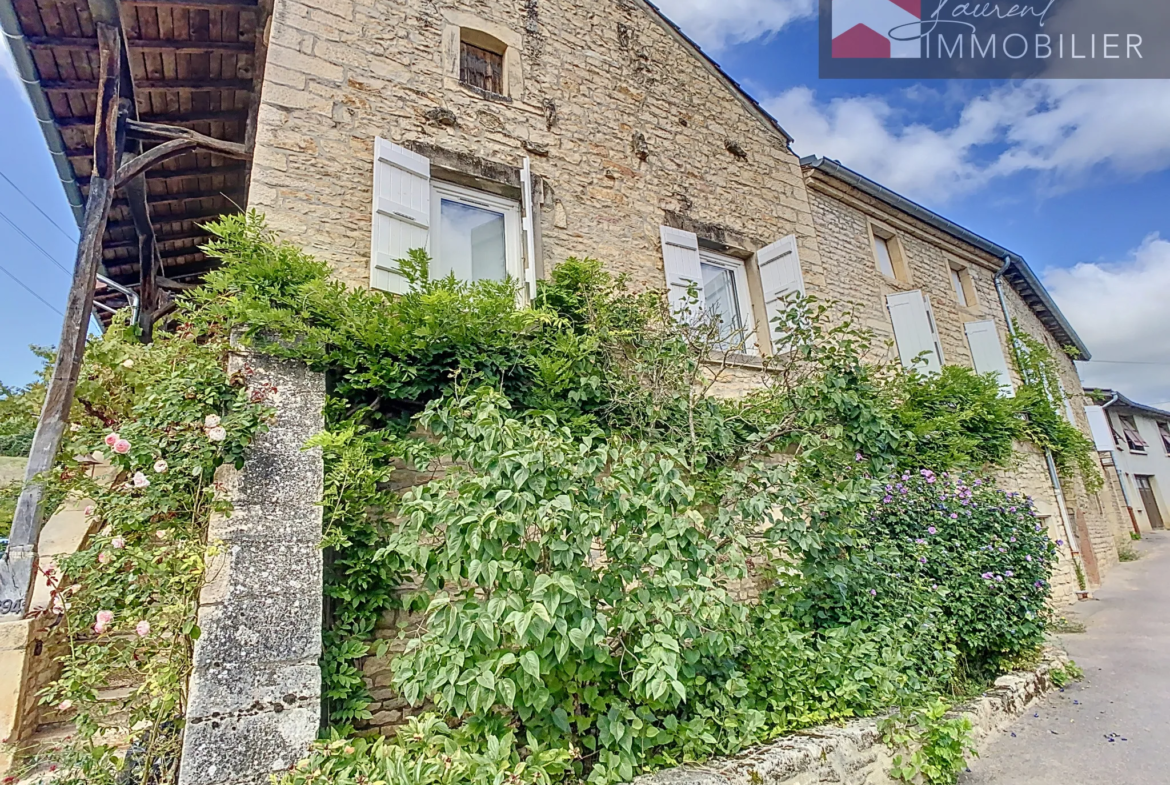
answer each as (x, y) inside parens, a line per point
(616, 568)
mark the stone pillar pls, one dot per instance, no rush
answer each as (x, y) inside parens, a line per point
(255, 693)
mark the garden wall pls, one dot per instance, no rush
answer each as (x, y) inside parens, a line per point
(853, 754)
(255, 692)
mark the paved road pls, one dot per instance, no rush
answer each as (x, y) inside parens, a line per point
(1125, 653)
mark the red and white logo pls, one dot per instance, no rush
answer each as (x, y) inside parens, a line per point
(872, 28)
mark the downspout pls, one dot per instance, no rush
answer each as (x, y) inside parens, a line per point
(27, 70)
(1120, 474)
(1053, 475)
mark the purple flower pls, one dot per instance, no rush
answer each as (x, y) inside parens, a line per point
(873, 592)
(999, 578)
(1028, 557)
(987, 576)
(905, 491)
(859, 457)
(1039, 584)
(931, 530)
(1011, 509)
(954, 516)
(977, 482)
(930, 480)
(1060, 542)
(887, 500)
(1010, 574)
(922, 559)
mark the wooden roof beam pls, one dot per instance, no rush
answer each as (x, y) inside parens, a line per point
(143, 45)
(234, 116)
(193, 85)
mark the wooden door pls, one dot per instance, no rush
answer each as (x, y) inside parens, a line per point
(1149, 501)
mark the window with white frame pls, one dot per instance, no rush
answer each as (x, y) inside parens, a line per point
(471, 234)
(477, 235)
(1133, 436)
(725, 290)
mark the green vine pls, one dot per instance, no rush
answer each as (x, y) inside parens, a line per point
(934, 746)
(163, 417)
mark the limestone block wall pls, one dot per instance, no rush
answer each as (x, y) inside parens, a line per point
(255, 689)
(842, 217)
(627, 129)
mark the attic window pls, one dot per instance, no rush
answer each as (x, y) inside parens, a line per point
(481, 61)
(1164, 432)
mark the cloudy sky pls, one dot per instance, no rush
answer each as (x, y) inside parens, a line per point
(1074, 176)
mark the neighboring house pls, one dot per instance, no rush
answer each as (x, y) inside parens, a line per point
(1135, 440)
(940, 294)
(504, 137)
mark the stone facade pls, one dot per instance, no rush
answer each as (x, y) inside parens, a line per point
(845, 219)
(627, 128)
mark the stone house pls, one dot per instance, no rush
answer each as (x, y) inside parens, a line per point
(939, 293)
(1134, 440)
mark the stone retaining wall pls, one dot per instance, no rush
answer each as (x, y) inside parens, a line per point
(853, 754)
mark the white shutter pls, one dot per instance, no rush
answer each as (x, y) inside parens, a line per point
(930, 320)
(402, 212)
(987, 353)
(913, 331)
(780, 276)
(680, 259)
(1102, 430)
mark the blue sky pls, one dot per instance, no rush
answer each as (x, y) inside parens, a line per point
(1074, 176)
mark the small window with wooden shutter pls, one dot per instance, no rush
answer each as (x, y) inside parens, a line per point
(481, 62)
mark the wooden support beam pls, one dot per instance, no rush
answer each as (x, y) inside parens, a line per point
(144, 45)
(194, 215)
(187, 85)
(158, 132)
(121, 245)
(164, 175)
(229, 4)
(19, 563)
(232, 116)
(148, 257)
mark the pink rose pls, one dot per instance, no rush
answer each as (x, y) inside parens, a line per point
(142, 628)
(104, 557)
(88, 510)
(140, 480)
(103, 619)
(217, 434)
(65, 705)
(121, 446)
(111, 438)
(211, 420)
(118, 542)
(160, 466)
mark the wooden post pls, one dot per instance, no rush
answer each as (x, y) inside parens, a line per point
(148, 259)
(18, 566)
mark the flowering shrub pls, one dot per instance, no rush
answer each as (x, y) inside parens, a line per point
(126, 602)
(970, 561)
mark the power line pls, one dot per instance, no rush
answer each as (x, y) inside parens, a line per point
(35, 244)
(36, 207)
(1123, 362)
(30, 291)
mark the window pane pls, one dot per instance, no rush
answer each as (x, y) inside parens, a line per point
(885, 261)
(723, 300)
(957, 282)
(471, 243)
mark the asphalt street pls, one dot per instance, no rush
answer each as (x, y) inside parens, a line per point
(1113, 728)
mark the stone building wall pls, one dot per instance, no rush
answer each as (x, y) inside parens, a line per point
(842, 215)
(627, 129)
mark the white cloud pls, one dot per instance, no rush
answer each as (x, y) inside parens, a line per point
(1063, 131)
(716, 24)
(1120, 311)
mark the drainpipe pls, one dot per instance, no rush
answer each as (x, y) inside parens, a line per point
(27, 71)
(1121, 475)
(1053, 475)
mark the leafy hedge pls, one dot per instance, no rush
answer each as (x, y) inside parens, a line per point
(614, 564)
